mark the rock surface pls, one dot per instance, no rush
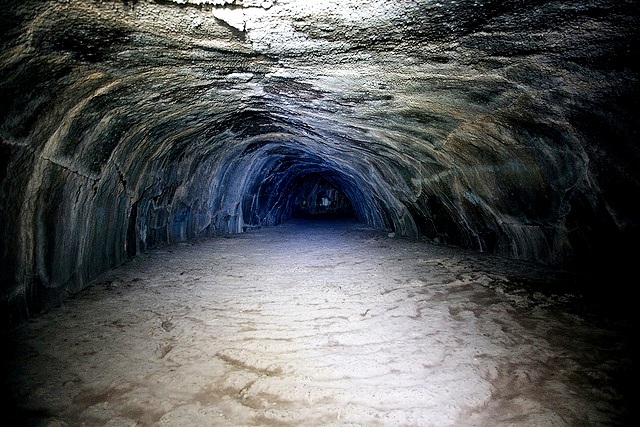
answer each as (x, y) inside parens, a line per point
(503, 126)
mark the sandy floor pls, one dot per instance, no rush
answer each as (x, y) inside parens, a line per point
(319, 324)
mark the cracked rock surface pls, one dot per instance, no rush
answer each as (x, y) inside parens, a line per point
(508, 127)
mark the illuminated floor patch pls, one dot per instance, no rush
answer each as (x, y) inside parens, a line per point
(317, 324)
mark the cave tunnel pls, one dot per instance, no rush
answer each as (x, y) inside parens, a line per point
(347, 212)
(316, 197)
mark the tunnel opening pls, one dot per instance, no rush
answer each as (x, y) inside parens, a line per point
(317, 198)
(285, 181)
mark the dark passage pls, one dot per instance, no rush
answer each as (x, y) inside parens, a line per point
(317, 198)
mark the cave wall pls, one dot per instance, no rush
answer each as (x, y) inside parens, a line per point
(503, 126)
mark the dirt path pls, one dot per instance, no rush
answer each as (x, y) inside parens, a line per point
(310, 324)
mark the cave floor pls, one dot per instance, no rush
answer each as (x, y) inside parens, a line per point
(320, 323)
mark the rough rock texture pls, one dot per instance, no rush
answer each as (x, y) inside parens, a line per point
(504, 126)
